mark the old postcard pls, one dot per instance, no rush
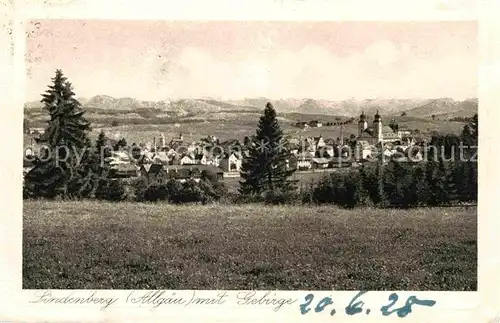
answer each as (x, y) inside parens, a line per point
(249, 161)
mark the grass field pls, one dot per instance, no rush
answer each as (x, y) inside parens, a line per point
(92, 245)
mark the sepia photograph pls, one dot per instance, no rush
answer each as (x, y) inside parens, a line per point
(250, 155)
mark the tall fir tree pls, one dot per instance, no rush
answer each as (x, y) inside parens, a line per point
(474, 126)
(397, 179)
(435, 182)
(265, 170)
(65, 171)
(445, 190)
(467, 137)
(100, 166)
(419, 188)
(467, 176)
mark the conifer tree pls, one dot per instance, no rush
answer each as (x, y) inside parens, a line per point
(472, 169)
(434, 182)
(467, 137)
(397, 179)
(419, 188)
(65, 170)
(474, 126)
(446, 190)
(101, 166)
(265, 170)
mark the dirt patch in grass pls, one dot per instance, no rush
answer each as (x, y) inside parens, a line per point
(91, 245)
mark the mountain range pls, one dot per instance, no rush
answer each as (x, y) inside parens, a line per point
(189, 107)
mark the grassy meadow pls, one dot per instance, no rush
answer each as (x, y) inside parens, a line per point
(101, 245)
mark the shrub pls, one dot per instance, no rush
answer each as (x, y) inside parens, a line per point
(155, 193)
(209, 175)
(345, 190)
(371, 179)
(277, 196)
(140, 185)
(397, 181)
(110, 190)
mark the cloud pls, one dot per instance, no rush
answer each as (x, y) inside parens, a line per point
(383, 69)
(380, 69)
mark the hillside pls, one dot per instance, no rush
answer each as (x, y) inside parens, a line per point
(446, 107)
(353, 107)
(205, 107)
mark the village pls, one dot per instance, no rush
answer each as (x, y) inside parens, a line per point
(162, 160)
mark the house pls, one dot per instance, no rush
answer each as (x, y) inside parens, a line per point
(213, 169)
(160, 158)
(144, 170)
(329, 150)
(301, 124)
(176, 142)
(291, 162)
(184, 173)
(339, 163)
(414, 153)
(188, 159)
(319, 142)
(320, 163)
(193, 148)
(231, 163)
(404, 132)
(37, 131)
(315, 124)
(310, 144)
(364, 149)
(124, 170)
(304, 161)
(157, 174)
(120, 155)
(387, 153)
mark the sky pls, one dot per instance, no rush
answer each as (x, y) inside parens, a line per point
(158, 60)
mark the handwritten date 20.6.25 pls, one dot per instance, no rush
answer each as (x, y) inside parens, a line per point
(356, 305)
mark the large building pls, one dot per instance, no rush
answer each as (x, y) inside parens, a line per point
(376, 134)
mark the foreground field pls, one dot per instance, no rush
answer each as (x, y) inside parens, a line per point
(91, 245)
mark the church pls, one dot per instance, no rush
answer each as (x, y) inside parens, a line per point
(378, 133)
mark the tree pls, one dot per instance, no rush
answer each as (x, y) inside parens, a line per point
(26, 126)
(246, 141)
(403, 114)
(100, 165)
(419, 188)
(345, 190)
(122, 143)
(435, 182)
(397, 179)
(66, 170)
(433, 117)
(209, 175)
(111, 190)
(467, 137)
(264, 170)
(372, 181)
(474, 126)
(448, 192)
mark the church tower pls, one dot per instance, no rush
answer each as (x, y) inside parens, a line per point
(362, 124)
(162, 141)
(377, 128)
